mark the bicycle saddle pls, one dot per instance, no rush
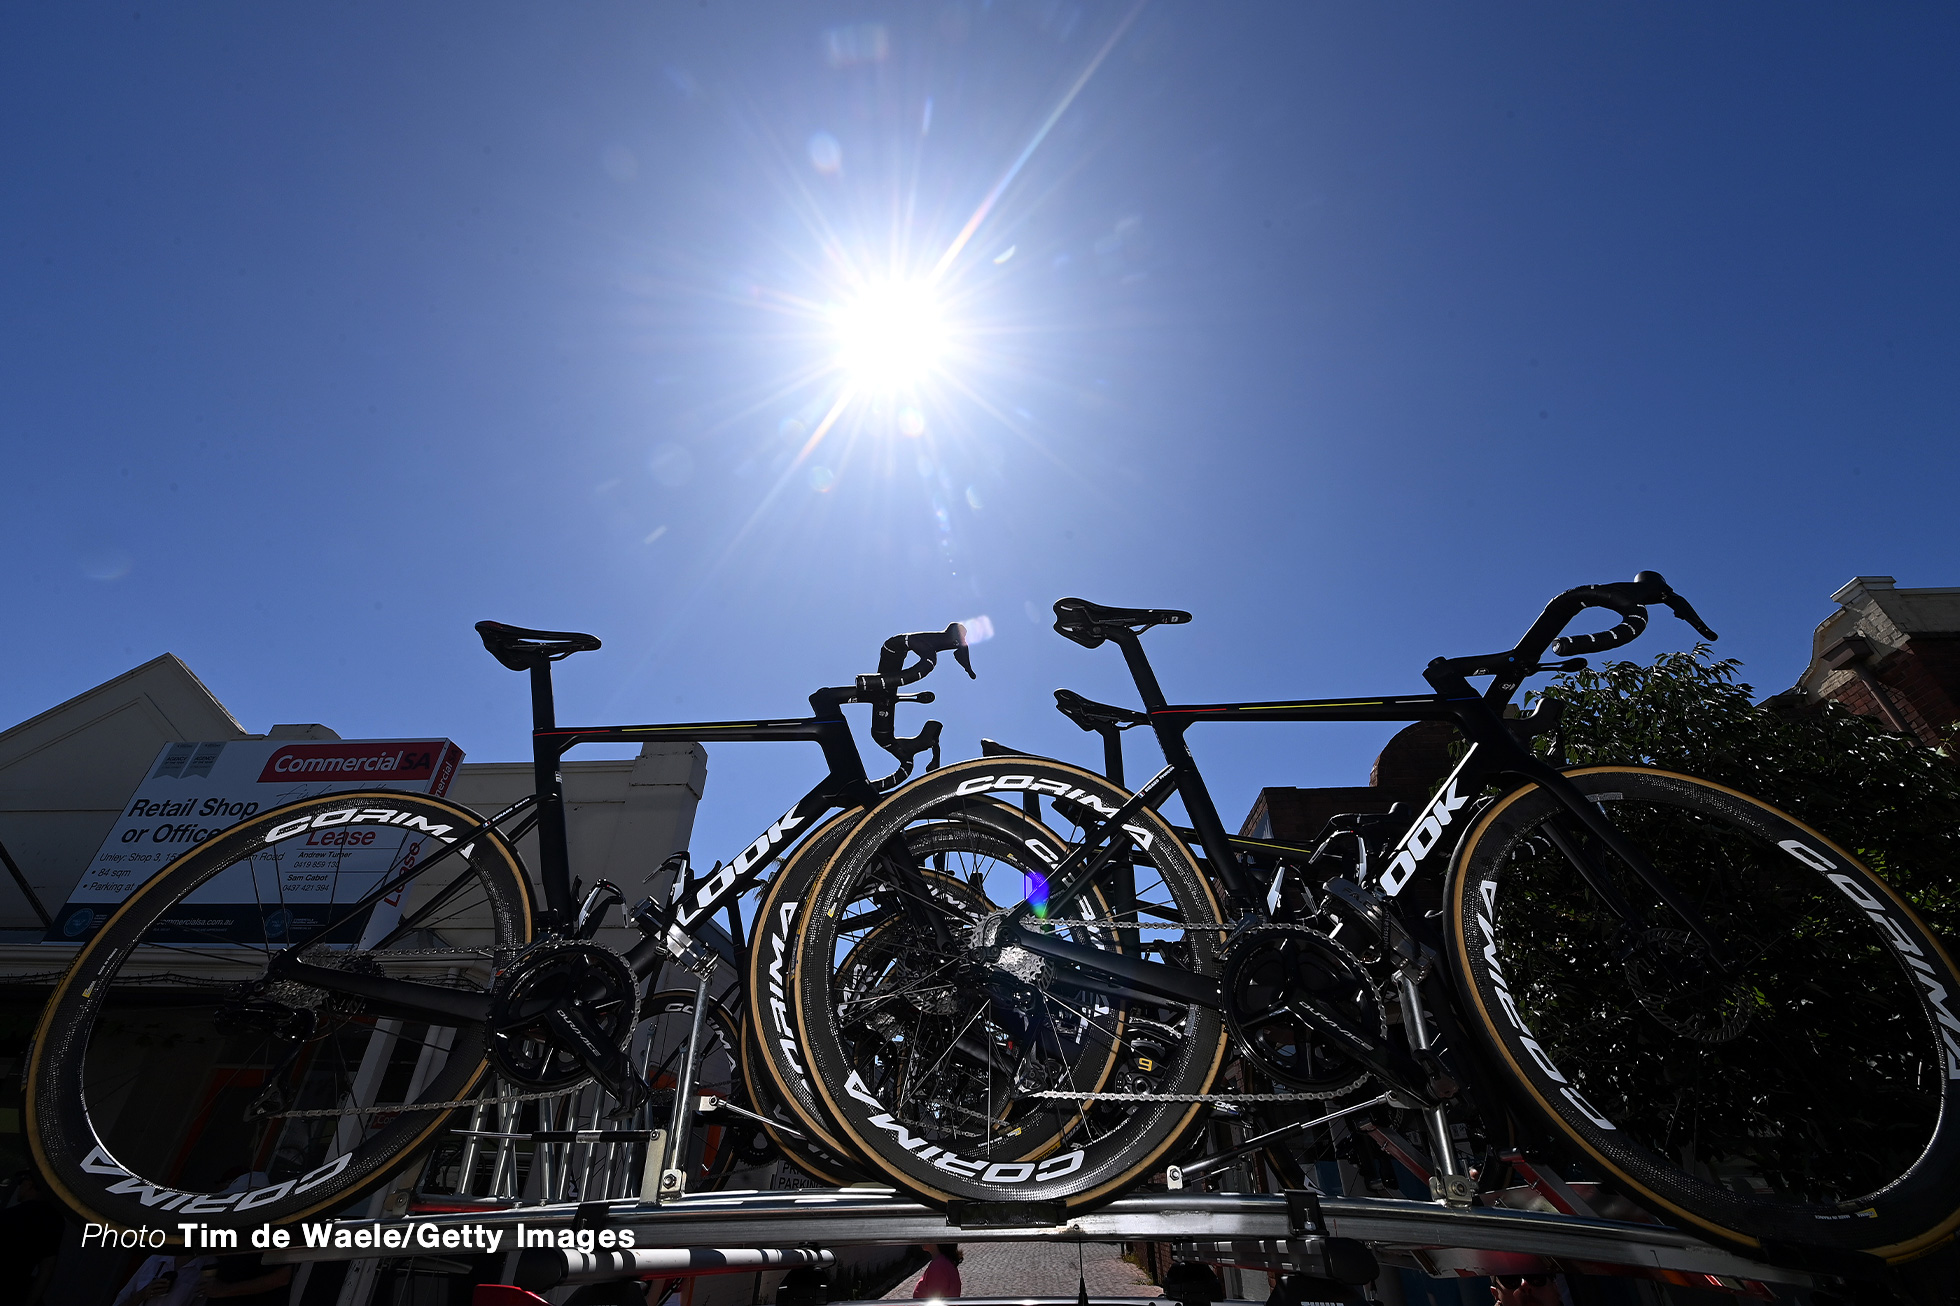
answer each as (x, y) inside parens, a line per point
(519, 649)
(1091, 715)
(1089, 624)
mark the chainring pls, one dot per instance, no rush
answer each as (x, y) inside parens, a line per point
(544, 976)
(1264, 968)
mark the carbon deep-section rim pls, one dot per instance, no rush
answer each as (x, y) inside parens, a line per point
(777, 1074)
(167, 1000)
(771, 1046)
(940, 1101)
(1800, 1089)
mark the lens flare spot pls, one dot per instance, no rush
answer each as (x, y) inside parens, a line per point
(911, 422)
(826, 155)
(1035, 887)
(671, 464)
(821, 479)
(973, 497)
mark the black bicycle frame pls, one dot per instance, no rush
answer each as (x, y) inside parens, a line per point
(693, 900)
(1495, 749)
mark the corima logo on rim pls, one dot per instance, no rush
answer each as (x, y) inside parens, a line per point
(1895, 935)
(997, 1172)
(1058, 788)
(1487, 891)
(785, 1032)
(99, 1162)
(356, 816)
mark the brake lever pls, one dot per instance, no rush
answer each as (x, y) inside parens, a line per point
(1659, 591)
(1686, 611)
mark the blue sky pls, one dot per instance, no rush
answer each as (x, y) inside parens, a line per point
(1357, 330)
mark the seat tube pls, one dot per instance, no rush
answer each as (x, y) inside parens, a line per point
(1190, 783)
(554, 861)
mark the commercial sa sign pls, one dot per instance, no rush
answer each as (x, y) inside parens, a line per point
(194, 791)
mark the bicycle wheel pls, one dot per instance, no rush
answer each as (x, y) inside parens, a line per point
(962, 1070)
(1802, 1094)
(170, 1080)
(787, 1130)
(773, 1051)
(718, 1144)
(778, 1075)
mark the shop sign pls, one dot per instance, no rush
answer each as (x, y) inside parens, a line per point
(195, 791)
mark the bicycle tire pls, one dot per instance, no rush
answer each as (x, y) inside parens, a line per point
(1803, 1095)
(778, 1075)
(774, 1063)
(127, 1159)
(983, 1138)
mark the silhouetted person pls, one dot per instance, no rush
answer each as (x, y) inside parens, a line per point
(163, 1281)
(941, 1281)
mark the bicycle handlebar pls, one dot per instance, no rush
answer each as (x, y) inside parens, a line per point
(881, 690)
(928, 645)
(1630, 599)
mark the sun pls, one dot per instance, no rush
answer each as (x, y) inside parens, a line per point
(890, 337)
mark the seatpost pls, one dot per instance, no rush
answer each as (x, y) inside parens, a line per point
(1112, 738)
(554, 863)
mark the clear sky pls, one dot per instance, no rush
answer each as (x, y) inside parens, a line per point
(1358, 330)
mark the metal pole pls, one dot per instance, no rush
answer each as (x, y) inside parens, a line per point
(673, 1180)
(1450, 1184)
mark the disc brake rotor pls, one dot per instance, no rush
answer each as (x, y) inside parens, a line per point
(1677, 983)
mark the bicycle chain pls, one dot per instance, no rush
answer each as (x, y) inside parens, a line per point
(1206, 1098)
(1045, 1094)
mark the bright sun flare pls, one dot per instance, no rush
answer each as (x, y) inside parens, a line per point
(891, 336)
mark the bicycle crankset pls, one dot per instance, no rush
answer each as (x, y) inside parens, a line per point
(563, 1011)
(1281, 986)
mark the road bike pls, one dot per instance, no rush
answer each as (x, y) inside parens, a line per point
(1707, 1004)
(188, 1068)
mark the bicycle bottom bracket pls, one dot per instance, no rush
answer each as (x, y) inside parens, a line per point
(548, 983)
(1265, 971)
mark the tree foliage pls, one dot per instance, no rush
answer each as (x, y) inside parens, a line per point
(1887, 798)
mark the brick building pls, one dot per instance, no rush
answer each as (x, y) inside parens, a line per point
(1886, 653)
(1890, 654)
(1406, 771)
